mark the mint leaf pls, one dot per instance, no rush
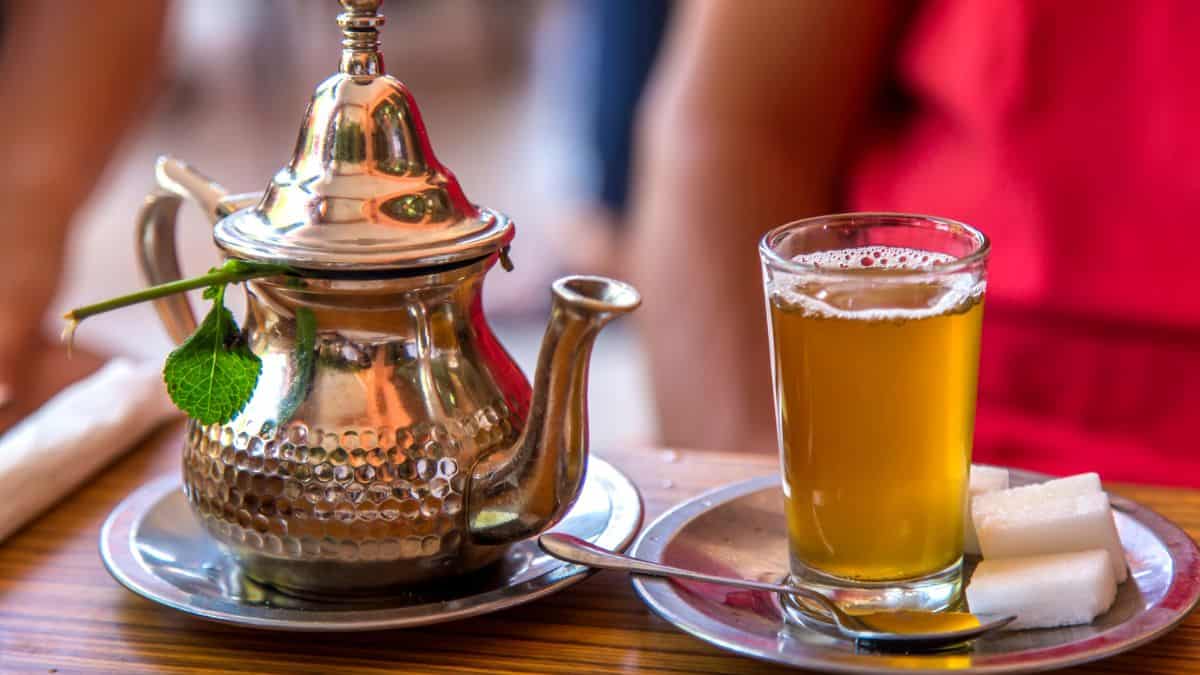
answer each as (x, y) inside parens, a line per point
(212, 375)
(306, 349)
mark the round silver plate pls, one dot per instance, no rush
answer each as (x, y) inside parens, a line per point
(740, 530)
(153, 545)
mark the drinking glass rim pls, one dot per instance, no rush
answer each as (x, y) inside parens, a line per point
(774, 259)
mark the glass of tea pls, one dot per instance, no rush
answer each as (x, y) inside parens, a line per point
(875, 322)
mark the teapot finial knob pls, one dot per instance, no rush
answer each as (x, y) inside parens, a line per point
(360, 37)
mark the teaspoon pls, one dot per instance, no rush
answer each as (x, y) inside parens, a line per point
(894, 629)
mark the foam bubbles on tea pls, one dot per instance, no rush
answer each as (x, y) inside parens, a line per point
(874, 297)
(886, 257)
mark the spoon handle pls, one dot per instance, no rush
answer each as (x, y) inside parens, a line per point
(576, 550)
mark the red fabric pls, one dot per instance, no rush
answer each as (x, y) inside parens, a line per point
(1069, 131)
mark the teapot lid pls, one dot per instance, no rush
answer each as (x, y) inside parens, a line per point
(363, 190)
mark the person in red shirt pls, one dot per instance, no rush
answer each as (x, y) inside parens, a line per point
(1067, 131)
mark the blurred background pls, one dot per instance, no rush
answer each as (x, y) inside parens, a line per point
(1079, 160)
(503, 89)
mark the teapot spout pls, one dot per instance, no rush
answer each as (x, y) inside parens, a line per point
(522, 490)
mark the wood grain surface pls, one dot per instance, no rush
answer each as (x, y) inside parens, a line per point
(61, 612)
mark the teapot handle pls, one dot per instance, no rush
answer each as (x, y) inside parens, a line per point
(156, 234)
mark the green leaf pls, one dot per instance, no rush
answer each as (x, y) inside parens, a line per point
(212, 375)
(306, 349)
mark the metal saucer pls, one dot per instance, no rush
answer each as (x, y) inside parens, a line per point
(740, 530)
(153, 546)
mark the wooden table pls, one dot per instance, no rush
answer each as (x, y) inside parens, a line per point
(61, 612)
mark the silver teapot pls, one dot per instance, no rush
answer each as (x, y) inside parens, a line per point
(408, 447)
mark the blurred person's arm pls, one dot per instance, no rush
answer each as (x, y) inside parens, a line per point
(73, 76)
(747, 126)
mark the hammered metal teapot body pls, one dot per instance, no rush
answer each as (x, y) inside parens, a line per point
(404, 446)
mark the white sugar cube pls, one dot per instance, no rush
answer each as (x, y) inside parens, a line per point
(1064, 589)
(988, 479)
(1012, 524)
(983, 479)
(1071, 486)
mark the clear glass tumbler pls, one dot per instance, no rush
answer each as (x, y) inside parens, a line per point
(875, 324)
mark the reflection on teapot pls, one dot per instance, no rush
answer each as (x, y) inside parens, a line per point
(408, 447)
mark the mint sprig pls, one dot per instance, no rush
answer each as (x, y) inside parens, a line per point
(212, 374)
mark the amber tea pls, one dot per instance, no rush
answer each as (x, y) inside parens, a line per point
(875, 381)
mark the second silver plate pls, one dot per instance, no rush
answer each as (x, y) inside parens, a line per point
(153, 545)
(740, 530)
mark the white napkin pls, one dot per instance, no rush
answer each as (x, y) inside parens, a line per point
(73, 435)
